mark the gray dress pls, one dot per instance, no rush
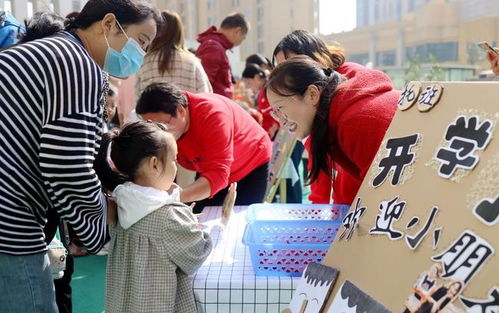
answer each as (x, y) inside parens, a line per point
(149, 263)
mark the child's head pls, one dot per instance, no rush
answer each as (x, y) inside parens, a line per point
(145, 153)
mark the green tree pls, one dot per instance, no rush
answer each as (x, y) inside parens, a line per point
(436, 72)
(416, 70)
(413, 71)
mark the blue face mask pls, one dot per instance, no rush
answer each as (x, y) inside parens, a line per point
(125, 63)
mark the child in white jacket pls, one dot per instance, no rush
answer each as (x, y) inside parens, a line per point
(156, 243)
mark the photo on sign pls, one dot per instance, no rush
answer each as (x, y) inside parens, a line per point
(432, 294)
(313, 289)
(350, 299)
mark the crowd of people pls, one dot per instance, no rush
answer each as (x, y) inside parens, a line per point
(72, 161)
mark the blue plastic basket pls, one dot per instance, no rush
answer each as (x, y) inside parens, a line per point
(280, 212)
(284, 248)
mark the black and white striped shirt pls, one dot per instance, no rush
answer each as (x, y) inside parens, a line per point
(50, 123)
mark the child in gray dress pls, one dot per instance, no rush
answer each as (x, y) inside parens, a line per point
(156, 243)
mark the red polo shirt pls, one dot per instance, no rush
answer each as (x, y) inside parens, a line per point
(223, 142)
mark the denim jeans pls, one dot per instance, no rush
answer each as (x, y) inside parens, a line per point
(26, 284)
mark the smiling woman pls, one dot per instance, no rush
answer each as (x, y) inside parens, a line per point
(345, 119)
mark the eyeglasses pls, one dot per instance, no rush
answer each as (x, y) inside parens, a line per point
(279, 115)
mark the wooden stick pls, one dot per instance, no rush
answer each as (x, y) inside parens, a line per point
(303, 306)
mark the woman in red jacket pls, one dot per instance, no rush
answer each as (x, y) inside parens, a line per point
(343, 188)
(346, 119)
(216, 138)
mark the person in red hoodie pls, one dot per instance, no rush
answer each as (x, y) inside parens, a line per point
(216, 138)
(256, 78)
(212, 51)
(346, 118)
(343, 188)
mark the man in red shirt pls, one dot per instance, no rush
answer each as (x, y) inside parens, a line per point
(213, 45)
(216, 138)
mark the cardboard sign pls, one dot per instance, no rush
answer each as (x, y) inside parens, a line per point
(282, 149)
(423, 230)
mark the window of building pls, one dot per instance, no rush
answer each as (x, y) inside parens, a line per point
(386, 58)
(76, 5)
(7, 5)
(261, 47)
(361, 58)
(259, 31)
(212, 20)
(259, 13)
(442, 51)
(30, 9)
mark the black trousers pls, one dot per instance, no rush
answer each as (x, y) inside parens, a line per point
(62, 285)
(294, 191)
(250, 189)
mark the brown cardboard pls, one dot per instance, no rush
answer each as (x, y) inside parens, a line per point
(387, 269)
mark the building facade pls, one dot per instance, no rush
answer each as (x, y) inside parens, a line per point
(23, 9)
(441, 31)
(270, 20)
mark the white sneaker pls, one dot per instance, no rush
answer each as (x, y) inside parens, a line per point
(104, 250)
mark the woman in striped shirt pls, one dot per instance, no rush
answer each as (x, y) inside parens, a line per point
(51, 115)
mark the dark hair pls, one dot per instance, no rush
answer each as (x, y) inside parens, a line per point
(235, 20)
(258, 59)
(170, 38)
(293, 77)
(42, 24)
(109, 179)
(251, 70)
(304, 42)
(136, 141)
(126, 11)
(161, 97)
(73, 14)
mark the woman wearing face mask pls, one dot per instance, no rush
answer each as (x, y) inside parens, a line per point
(346, 181)
(52, 106)
(346, 119)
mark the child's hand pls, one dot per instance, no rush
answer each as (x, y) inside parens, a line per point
(197, 215)
(494, 62)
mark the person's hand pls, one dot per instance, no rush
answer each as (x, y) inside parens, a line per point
(494, 61)
(197, 215)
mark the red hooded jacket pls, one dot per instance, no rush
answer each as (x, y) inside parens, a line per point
(360, 113)
(215, 61)
(264, 107)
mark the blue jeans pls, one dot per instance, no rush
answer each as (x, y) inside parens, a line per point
(26, 284)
